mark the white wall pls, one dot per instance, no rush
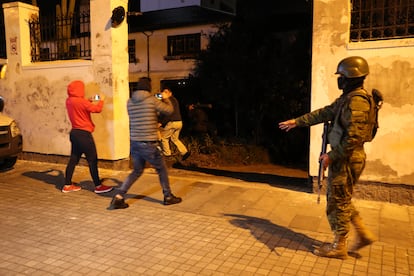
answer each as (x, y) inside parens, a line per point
(389, 156)
(160, 68)
(35, 93)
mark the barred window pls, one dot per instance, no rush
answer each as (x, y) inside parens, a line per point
(60, 38)
(131, 51)
(183, 46)
(381, 19)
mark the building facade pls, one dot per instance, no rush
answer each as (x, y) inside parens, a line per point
(383, 33)
(111, 61)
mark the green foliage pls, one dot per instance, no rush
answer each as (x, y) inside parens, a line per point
(206, 153)
(255, 77)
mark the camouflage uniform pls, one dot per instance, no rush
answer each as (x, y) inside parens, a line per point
(353, 121)
(349, 112)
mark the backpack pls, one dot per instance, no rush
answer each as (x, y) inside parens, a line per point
(375, 99)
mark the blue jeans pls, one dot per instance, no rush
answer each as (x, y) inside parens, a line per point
(140, 153)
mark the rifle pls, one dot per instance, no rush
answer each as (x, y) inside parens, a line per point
(323, 151)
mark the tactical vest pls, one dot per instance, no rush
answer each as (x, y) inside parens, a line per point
(368, 133)
(375, 100)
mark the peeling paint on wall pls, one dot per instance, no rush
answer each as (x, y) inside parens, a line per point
(389, 156)
(40, 108)
(36, 93)
(395, 82)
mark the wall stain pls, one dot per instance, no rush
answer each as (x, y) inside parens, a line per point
(399, 90)
(377, 168)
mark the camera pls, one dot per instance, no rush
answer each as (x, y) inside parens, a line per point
(158, 96)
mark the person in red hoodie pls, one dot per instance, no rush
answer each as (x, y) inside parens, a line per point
(79, 111)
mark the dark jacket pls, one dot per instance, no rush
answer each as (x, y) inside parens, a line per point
(174, 116)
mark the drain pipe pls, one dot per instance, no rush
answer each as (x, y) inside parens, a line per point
(148, 34)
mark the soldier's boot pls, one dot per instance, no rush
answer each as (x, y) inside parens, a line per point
(337, 249)
(363, 238)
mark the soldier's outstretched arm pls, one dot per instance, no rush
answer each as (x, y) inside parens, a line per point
(287, 125)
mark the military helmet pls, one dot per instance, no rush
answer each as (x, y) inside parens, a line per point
(353, 67)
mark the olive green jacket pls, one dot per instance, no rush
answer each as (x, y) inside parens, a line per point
(349, 123)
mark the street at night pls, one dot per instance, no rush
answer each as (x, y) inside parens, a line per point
(224, 226)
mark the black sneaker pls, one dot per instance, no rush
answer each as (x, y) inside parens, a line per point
(172, 199)
(118, 203)
(186, 155)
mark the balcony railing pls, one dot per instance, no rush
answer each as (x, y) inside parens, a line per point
(60, 38)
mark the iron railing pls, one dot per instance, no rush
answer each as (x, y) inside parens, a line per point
(380, 20)
(60, 38)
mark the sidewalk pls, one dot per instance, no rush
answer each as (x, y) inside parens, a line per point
(224, 226)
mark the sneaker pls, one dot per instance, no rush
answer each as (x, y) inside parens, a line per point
(172, 199)
(70, 188)
(103, 189)
(118, 203)
(186, 155)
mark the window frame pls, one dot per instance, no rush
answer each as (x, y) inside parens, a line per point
(132, 56)
(185, 46)
(375, 20)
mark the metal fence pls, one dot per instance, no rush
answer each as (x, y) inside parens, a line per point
(379, 20)
(60, 38)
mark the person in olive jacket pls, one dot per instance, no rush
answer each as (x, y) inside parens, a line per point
(351, 127)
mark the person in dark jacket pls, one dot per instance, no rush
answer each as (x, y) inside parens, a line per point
(170, 129)
(143, 109)
(79, 111)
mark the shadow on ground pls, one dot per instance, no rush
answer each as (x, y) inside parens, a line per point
(273, 235)
(50, 176)
(57, 178)
(286, 182)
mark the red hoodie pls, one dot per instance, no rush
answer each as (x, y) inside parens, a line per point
(80, 109)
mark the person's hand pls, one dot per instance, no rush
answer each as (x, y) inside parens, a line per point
(324, 158)
(102, 96)
(287, 125)
(166, 94)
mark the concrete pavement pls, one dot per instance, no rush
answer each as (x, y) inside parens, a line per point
(224, 226)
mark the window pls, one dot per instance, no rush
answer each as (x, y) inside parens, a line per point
(60, 38)
(381, 19)
(131, 51)
(183, 46)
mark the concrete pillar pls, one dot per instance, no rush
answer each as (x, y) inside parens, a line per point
(110, 69)
(16, 18)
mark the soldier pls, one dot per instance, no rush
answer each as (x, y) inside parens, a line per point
(350, 128)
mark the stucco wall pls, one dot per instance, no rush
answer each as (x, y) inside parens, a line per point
(35, 93)
(161, 69)
(390, 155)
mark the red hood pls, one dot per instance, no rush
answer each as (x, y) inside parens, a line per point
(76, 89)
